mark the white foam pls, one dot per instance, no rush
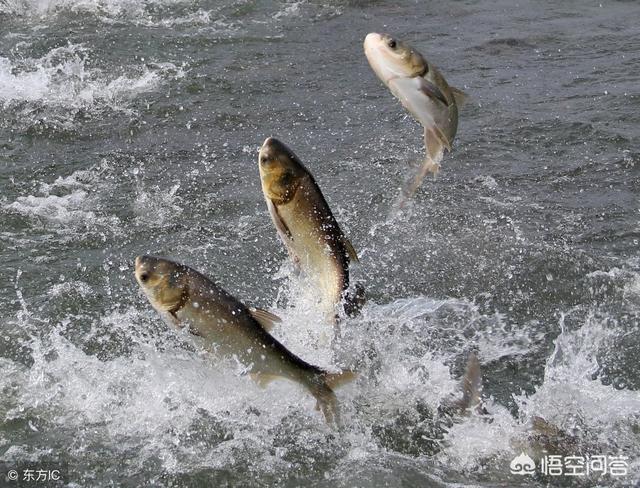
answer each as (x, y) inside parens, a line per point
(65, 209)
(148, 400)
(54, 88)
(103, 8)
(568, 398)
(568, 388)
(67, 206)
(156, 396)
(70, 288)
(135, 12)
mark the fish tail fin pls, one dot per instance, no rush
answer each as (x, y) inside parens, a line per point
(429, 165)
(435, 143)
(326, 399)
(471, 383)
(322, 389)
(336, 380)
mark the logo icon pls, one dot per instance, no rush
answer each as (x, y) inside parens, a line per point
(522, 464)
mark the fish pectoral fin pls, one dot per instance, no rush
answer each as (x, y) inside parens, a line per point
(281, 226)
(408, 91)
(265, 318)
(263, 379)
(351, 252)
(459, 96)
(413, 90)
(336, 380)
(432, 91)
(171, 318)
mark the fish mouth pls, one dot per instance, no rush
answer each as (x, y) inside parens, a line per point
(271, 149)
(371, 43)
(140, 269)
(372, 39)
(264, 153)
(269, 144)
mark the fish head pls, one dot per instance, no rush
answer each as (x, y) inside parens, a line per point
(162, 281)
(391, 58)
(280, 171)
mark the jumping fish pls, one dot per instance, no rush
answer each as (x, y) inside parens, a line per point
(422, 90)
(311, 234)
(186, 298)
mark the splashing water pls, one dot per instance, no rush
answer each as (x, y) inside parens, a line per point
(131, 127)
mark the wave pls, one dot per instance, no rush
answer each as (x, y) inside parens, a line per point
(224, 16)
(69, 207)
(62, 88)
(133, 384)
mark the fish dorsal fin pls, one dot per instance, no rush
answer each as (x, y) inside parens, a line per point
(353, 255)
(336, 380)
(265, 318)
(459, 96)
(263, 379)
(471, 383)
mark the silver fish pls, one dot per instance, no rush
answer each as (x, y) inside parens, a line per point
(186, 298)
(422, 90)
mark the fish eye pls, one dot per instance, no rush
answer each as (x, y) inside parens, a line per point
(144, 277)
(391, 43)
(264, 160)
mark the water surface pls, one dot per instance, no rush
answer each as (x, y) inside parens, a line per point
(132, 127)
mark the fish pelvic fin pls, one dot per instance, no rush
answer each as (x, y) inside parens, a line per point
(280, 224)
(459, 96)
(265, 318)
(435, 141)
(471, 383)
